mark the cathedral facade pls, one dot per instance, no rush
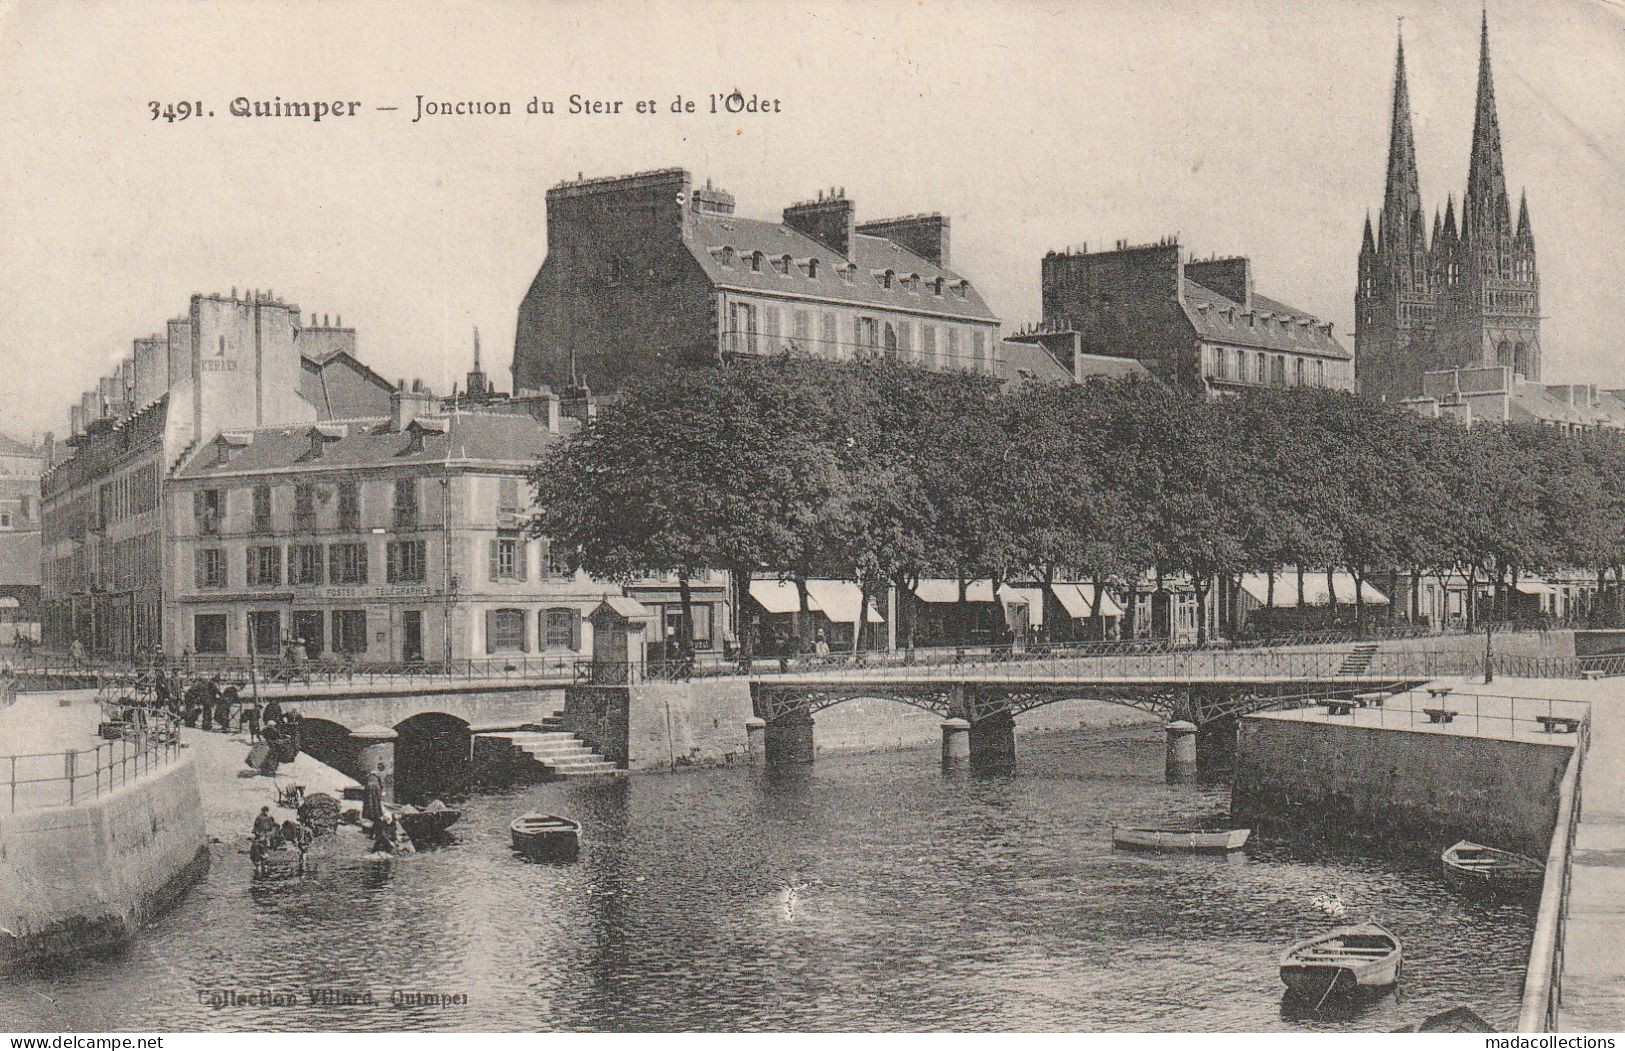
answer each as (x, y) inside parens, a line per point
(1465, 293)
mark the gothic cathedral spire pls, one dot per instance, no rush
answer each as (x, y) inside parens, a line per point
(1403, 198)
(1485, 216)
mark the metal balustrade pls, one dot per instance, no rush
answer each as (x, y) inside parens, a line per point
(74, 776)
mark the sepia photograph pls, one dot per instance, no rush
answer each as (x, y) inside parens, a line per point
(857, 517)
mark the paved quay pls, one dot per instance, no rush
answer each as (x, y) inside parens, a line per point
(233, 794)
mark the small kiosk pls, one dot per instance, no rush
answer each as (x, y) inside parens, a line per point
(621, 632)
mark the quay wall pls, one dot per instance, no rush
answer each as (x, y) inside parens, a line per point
(78, 881)
(663, 725)
(1366, 781)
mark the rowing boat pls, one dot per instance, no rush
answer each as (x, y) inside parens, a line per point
(1478, 867)
(546, 835)
(1342, 961)
(1180, 840)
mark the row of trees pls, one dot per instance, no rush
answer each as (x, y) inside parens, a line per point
(882, 473)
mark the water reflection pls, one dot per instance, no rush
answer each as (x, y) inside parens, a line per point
(865, 892)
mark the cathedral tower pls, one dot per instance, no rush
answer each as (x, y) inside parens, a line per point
(1467, 297)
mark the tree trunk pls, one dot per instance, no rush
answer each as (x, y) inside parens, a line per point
(1269, 595)
(801, 619)
(1201, 607)
(686, 633)
(1359, 597)
(1299, 568)
(1393, 590)
(1331, 594)
(863, 615)
(747, 645)
(1416, 595)
(1472, 598)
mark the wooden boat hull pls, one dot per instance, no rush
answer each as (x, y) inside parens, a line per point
(1180, 841)
(1341, 962)
(1480, 869)
(546, 836)
(428, 824)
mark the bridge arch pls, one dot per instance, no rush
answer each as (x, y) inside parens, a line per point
(432, 757)
(329, 742)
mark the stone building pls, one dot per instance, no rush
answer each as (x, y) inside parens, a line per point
(378, 540)
(1466, 297)
(20, 466)
(648, 269)
(1497, 394)
(1196, 325)
(232, 361)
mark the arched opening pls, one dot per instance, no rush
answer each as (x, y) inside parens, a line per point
(891, 341)
(431, 758)
(1520, 360)
(329, 742)
(1503, 353)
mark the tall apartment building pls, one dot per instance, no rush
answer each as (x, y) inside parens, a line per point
(1197, 324)
(228, 362)
(20, 466)
(649, 270)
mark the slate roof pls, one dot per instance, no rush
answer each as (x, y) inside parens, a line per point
(496, 438)
(1027, 362)
(713, 233)
(342, 388)
(1287, 329)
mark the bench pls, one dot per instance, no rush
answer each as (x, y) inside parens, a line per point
(1339, 707)
(1439, 693)
(1591, 674)
(1558, 724)
(1441, 715)
(1369, 700)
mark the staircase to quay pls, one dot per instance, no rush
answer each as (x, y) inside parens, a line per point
(1358, 660)
(546, 751)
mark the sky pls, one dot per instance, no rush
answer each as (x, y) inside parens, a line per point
(1248, 127)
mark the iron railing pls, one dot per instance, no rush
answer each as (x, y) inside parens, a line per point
(1475, 714)
(72, 776)
(1543, 979)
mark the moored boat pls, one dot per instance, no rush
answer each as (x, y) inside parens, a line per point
(1478, 867)
(427, 824)
(546, 835)
(1180, 840)
(1365, 956)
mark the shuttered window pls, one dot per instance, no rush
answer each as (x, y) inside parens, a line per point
(505, 631)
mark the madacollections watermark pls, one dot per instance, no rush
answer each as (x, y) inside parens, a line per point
(306, 999)
(1549, 1043)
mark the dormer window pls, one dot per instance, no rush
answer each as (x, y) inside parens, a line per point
(783, 265)
(756, 261)
(725, 255)
(418, 430)
(886, 278)
(936, 287)
(320, 435)
(962, 288)
(226, 445)
(812, 269)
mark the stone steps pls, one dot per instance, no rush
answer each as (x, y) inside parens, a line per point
(557, 752)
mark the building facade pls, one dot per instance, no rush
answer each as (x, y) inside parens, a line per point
(1466, 297)
(647, 270)
(232, 361)
(21, 464)
(1196, 325)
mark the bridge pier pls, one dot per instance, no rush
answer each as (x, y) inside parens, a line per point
(375, 744)
(993, 741)
(1181, 759)
(955, 742)
(788, 740)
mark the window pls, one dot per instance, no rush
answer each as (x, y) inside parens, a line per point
(928, 343)
(210, 567)
(304, 507)
(347, 564)
(1320, 374)
(1278, 370)
(756, 260)
(406, 503)
(406, 562)
(742, 331)
(5, 519)
(782, 265)
(349, 631)
(305, 564)
(1263, 370)
(207, 505)
(264, 566)
(979, 348)
(702, 623)
(953, 347)
(508, 496)
(265, 632)
(349, 505)
(1300, 368)
(308, 628)
(508, 556)
(867, 333)
(561, 629)
(802, 320)
(560, 561)
(505, 631)
(209, 633)
(886, 279)
(812, 269)
(1221, 363)
(262, 509)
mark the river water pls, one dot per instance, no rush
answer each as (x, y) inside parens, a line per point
(867, 892)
